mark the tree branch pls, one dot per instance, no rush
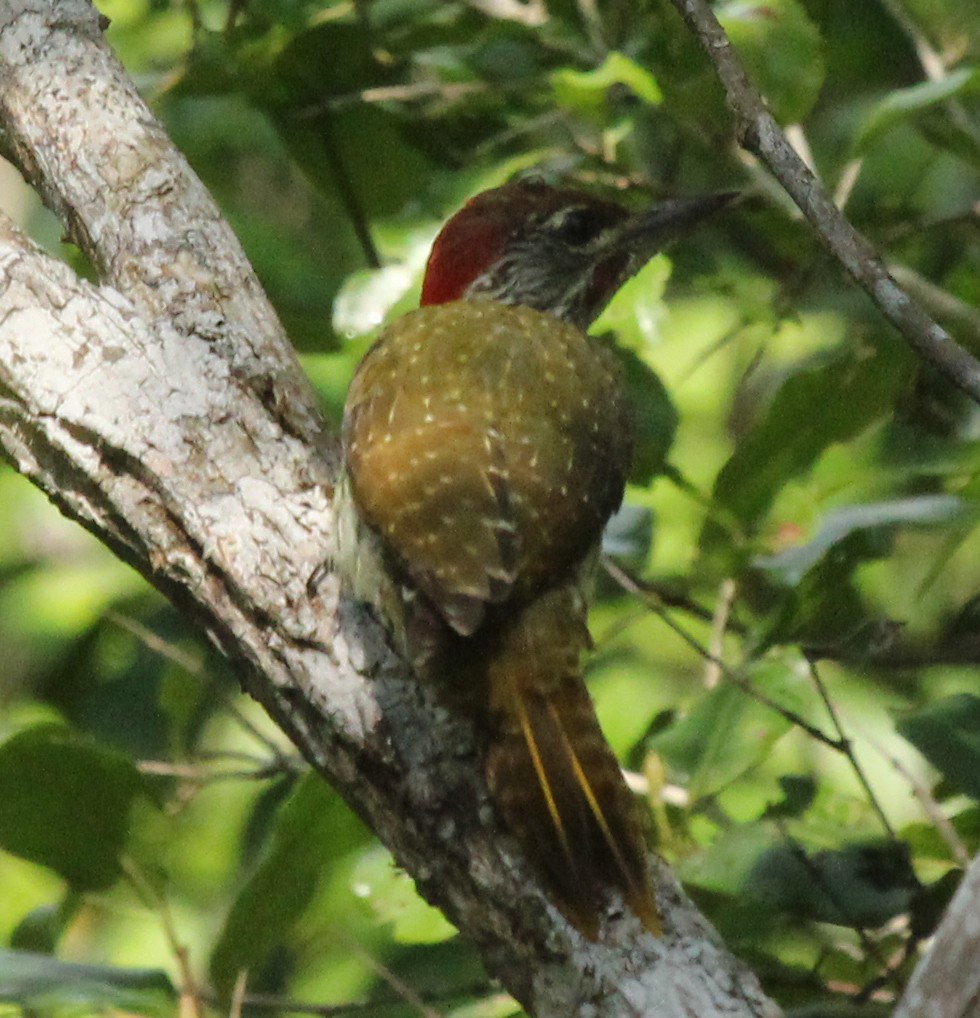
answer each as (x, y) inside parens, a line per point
(946, 983)
(938, 985)
(758, 132)
(164, 410)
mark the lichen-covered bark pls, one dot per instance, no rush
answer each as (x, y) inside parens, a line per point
(163, 410)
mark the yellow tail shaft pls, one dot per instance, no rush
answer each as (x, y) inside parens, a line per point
(553, 778)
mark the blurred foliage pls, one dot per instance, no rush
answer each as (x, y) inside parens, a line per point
(794, 667)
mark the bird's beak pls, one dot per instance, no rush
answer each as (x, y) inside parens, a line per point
(654, 228)
(639, 238)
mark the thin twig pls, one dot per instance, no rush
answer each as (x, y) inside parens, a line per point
(531, 13)
(719, 626)
(758, 132)
(195, 14)
(155, 643)
(846, 181)
(933, 64)
(399, 986)
(848, 750)
(345, 186)
(193, 666)
(235, 9)
(940, 302)
(929, 805)
(191, 1000)
(404, 92)
(592, 20)
(834, 896)
(733, 675)
(201, 775)
(238, 995)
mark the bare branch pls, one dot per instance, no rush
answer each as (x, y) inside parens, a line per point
(940, 977)
(758, 132)
(946, 983)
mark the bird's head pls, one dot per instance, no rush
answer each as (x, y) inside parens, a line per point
(557, 250)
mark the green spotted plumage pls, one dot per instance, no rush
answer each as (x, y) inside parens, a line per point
(487, 445)
(487, 441)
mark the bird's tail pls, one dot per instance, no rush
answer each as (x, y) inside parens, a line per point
(552, 776)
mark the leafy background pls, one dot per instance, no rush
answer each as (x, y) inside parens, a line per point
(786, 651)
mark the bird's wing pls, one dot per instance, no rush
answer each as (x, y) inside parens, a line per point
(486, 445)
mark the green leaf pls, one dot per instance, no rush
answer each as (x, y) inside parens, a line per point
(40, 930)
(728, 732)
(799, 793)
(931, 902)
(654, 417)
(790, 565)
(851, 388)
(393, 898)
(824, 609)
(40, 982)
(947, 734)
(723, 866)
(585, 91)
(908, 103)
(64, 803)
(314, 828)
(499, 1005)
(783, 51)
(860, 885)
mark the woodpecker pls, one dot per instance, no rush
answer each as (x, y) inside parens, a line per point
(487, 441)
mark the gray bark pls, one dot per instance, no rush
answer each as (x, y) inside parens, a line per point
(946, 982)
(163, 409)
(758, 132)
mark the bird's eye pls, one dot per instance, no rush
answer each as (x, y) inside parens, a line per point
(577, 226)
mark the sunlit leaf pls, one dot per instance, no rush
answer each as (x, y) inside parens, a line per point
(586, 90)
(728, 731)
(498, 1005)
(392, 897)
(907, 103)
